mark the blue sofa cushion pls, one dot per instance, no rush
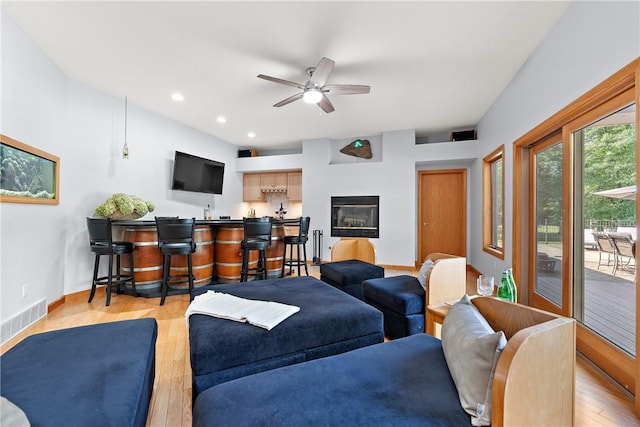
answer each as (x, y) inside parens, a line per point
(97, 375)
(329, 322)
(402, 294)
(404, 382)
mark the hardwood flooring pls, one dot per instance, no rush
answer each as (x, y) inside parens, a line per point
(598, 401)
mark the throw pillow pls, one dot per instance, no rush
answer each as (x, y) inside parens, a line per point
(424, 272)
(11, 414)
(472, 348)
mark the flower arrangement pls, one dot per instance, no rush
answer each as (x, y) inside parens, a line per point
(124, 206)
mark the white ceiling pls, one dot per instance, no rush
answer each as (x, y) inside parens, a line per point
(432, 66)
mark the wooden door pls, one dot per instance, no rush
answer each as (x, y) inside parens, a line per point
(442, 212)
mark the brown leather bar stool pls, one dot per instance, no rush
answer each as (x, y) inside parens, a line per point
(101, 242)
(297, 241)
(175, 237)
(257, 237)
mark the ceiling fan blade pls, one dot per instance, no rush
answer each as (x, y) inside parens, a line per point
(289, 100)
(325, 104)
(346, 89)
(277, 80)
(322, 71)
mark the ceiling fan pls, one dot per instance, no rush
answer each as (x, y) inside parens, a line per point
(314, 91)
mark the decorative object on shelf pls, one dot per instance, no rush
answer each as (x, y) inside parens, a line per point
(122, 206)
(358, 148)
(27, 174)
(464, 135)
(247, 153)
(125, 148)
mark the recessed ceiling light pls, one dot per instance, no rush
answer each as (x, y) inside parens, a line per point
(177, 97)
(221, 119)
(251, 135)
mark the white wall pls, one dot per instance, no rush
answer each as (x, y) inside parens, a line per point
(590, 41)
(392, 179)
(47, 246)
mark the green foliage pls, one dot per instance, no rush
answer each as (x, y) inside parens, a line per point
(549, 184)
(609, 162)
(609, 153)
(125, 204)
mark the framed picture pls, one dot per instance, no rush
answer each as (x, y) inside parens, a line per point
(27, 175)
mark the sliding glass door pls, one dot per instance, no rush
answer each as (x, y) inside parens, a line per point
(605, 216)
(583, 231)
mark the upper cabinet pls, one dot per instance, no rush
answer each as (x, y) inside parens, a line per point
(273, 182)
(251, 191)
(294, 186)
(255, 185)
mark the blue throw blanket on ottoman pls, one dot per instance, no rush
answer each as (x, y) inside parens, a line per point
(405, 382)
(97, 375)
(329, 322)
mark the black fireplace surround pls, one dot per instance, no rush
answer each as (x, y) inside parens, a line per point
(355, 216)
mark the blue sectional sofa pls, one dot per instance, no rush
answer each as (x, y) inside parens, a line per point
(329, 322)
(97, 375)
(410, 382)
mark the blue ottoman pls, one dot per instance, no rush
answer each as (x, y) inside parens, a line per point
(96, 375)
(329, 322)
(401, 301)
(349, 275)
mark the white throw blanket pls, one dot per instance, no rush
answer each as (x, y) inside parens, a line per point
(265, 314)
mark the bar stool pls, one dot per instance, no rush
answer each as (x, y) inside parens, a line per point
(101, 242)
(257, 237)
(175, 237)
(297, 241)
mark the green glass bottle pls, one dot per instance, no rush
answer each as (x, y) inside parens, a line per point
(505, 290)
(512, 283)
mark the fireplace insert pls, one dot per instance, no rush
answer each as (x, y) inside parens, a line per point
(355, 216)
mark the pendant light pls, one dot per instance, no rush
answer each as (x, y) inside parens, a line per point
(125, 148)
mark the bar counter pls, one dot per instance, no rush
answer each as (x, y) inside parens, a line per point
(217, 259)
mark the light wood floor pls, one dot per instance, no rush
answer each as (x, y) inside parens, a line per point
(598, 402)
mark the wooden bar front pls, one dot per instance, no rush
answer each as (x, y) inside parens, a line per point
(218, 256)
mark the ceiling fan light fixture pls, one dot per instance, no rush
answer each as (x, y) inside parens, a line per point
(312, 96)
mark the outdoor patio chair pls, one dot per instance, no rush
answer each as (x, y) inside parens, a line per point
(625, 249)
(605, 247)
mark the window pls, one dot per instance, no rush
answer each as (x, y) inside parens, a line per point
(493, 203)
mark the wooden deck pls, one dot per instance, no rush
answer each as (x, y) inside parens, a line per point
(609, 303)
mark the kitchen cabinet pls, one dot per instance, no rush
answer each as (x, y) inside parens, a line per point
(294, 186)
(256, 185)
(251, 191)
(273, 182)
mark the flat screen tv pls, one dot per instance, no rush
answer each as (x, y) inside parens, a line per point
(193, 173)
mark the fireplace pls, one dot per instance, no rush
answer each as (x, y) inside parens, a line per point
(355, 216)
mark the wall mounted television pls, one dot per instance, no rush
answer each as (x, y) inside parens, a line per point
(193, 173)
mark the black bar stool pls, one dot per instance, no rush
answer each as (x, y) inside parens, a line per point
(101, 243)
(175, 237)
(297, 241)
(257, 237)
